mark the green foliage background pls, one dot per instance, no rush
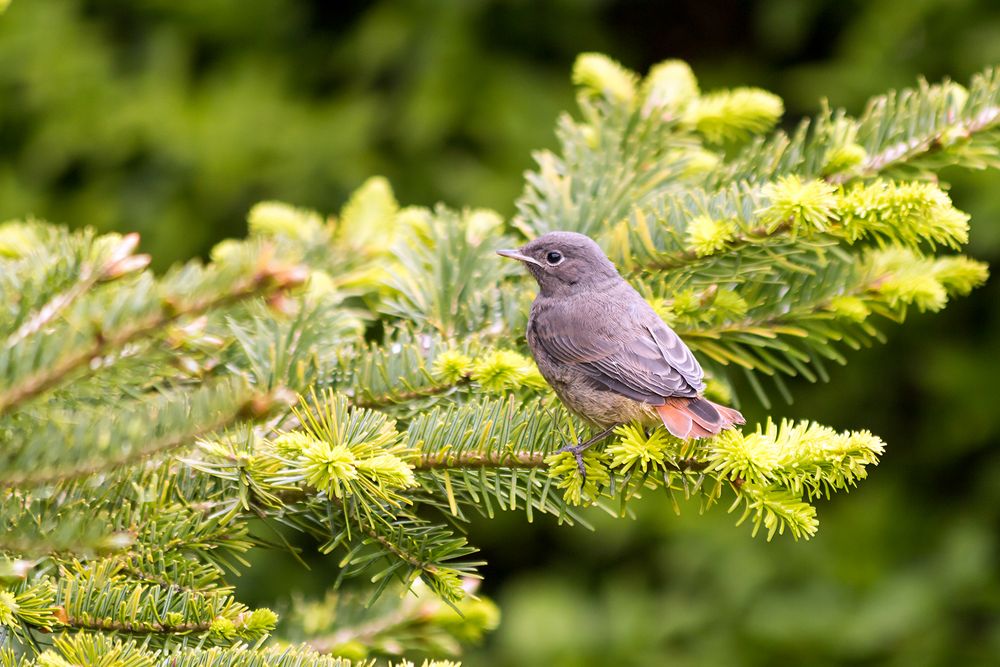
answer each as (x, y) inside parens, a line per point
(171, 119)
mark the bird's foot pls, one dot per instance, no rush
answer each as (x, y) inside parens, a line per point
(577, 451)
(579, 448)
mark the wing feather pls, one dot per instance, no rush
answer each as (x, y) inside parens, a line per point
(641, 357)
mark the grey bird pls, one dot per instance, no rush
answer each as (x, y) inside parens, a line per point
(604, 350)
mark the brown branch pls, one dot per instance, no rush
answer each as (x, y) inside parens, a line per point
(136, 628)
(136, 574)
(388, 399)
(479, 460)
(147, 577)
(389, 546)
(515, 460)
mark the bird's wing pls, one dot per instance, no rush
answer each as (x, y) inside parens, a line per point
(641, 358)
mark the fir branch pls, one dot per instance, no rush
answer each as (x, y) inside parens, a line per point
(402, 369)
(617, 159)
(512, 459)
(43, 263)
(80, 531)
(174, 419)
(135, 627)
(504, 431)
(403, 547)
(293, 351)
(507, 460)
(142, 520)
(738, 232)
(916, 131)
(400, 374)
(398, 623)
(119, 261)
(97, 597)
(183, 548)
(787, 320)
(87, 648)
(266, 279)
(351, 461)
(768, 471)
(946, 115)
(445, 278)
(390, 399)
(391, 536)
(174, 580)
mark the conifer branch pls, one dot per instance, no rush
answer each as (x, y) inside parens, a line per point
(163, 581)
(503, 461)
(395, 624)
(969, 114)
(926, 146)
(135, 628)
(916, 131)
(119, 261)
(97, 597)
(513, 459)
(238, 405)
(266, 279)
(387, 400)
(87, 648)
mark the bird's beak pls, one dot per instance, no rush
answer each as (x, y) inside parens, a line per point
(514, 254)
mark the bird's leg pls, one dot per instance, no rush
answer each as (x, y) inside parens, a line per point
(578, 449)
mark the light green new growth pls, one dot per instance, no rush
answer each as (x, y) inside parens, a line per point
(362, 378)
(734, 115)
(598, 75)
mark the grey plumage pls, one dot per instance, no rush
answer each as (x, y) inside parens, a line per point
(604, 350)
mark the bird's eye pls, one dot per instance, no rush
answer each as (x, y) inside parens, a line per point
(554, 257)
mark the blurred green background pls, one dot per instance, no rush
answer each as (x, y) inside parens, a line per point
(171, 118)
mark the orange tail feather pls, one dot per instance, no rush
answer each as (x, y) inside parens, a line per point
(688, 418)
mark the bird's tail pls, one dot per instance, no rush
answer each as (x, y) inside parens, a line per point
(697, 417)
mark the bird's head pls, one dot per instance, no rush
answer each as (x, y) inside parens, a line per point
(565, 263)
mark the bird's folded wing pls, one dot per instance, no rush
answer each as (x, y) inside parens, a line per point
(646, 361)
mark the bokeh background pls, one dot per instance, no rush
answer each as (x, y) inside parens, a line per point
(172, 118)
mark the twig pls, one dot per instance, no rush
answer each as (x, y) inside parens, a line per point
(480, 460)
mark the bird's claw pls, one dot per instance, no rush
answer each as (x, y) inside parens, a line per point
(580, 447)
(577, 451)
